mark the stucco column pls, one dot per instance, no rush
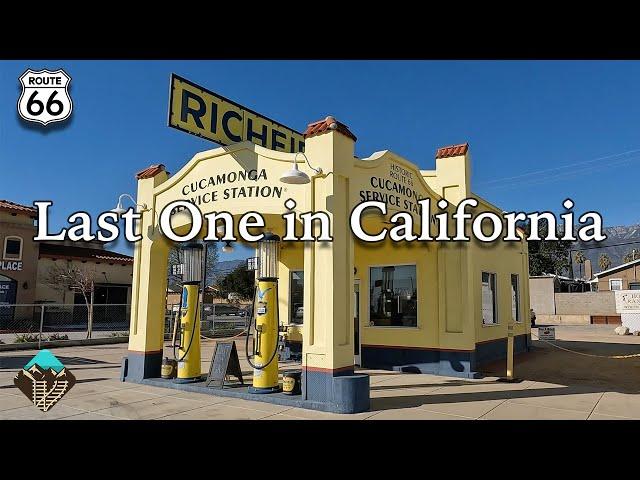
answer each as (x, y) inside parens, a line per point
(146, 331)
(327, 351)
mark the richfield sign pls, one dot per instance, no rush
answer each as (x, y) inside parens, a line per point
(628, 301)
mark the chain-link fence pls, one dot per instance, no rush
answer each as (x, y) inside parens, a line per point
(216, 320)
(43, 322)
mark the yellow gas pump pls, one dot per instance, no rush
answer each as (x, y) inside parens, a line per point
(188, 355)
(266, 317)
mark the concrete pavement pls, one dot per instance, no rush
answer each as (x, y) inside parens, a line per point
(556, 385)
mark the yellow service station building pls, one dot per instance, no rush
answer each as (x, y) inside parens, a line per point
(434, 307)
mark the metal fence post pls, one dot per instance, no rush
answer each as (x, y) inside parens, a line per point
(41, 325)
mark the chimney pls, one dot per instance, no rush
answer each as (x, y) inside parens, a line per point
(453, 172)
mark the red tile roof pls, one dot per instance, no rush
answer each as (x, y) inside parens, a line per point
(452, 150)
(7, 206)
(53, 250)
(150, 172)
(321, 126)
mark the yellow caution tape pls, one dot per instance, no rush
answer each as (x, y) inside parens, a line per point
(618, 357)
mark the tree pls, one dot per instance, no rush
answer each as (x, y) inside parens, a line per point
(77, 278)
(604, 262)
(580, 259)
(548, 256)
(240, 281)
(174, 281)
(631, 256)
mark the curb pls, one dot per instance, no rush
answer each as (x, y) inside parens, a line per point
(8, 347)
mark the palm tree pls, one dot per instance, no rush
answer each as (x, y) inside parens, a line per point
(604, 262)
(631, 256)
(580, 259)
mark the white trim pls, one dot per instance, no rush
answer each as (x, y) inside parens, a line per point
(624, 265)
(368, 323)
(4, 249)
(616, 279)
(496, 317)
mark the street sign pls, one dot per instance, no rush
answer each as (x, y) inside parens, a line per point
(177, 269)
(198, 111)
(546, 333)
(628, 301)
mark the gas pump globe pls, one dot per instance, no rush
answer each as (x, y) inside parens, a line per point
(188, 356)
(265, 335)
(268, 256)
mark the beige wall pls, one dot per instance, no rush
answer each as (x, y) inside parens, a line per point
(103, 273)
(630, 274)
(21, 226)
(587, 303)
(542, 295)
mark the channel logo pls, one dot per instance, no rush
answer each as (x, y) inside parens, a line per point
(44, 380)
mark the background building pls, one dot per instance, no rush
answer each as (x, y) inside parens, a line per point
(27, 269)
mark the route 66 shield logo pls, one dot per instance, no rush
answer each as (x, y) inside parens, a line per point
(45, 96)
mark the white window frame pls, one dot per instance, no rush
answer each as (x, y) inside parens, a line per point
(382, 265)
(518, 318)
(618, 280)
(496, 316)
(291, 272)
(4, 249)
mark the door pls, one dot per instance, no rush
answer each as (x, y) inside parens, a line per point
(8, 290)
(356, 323)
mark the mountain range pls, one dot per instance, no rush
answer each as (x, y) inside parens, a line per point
(620, 241)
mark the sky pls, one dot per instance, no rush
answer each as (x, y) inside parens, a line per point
(539, 131)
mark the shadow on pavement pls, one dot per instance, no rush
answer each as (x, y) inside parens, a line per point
(18, 361)
(410, 401)
(545, 363)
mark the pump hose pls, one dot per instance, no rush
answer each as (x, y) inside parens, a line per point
(275, 350)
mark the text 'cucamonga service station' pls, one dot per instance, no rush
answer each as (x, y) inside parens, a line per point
(436, 307)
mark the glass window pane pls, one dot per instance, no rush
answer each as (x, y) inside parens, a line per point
(12, 249)
(489, 314)
(296, 293)
(515, 298)
(393, 299)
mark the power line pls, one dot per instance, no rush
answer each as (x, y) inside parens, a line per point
(554, 169)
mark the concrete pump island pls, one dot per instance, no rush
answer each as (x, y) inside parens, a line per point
(343, 305)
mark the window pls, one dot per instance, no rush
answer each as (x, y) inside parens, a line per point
(634, 286)
(489, 310)
(615, 284)
(12, 248)
(515, 298)
(296, 297)
(393, 299)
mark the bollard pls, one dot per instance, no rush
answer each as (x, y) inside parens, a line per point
(510, 356)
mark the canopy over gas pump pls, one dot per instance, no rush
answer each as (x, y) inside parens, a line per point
(266, 317)
(188, 356)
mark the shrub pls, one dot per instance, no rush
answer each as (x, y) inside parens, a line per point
(119, 334)
(57, 336)
(26, 338)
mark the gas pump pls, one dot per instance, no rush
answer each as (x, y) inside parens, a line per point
(265, 319)
(188, 354)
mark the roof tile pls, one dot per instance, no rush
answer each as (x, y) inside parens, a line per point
(321, 126)
(452, 150)
(53, 250)
(151, 171)
(7, 206)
